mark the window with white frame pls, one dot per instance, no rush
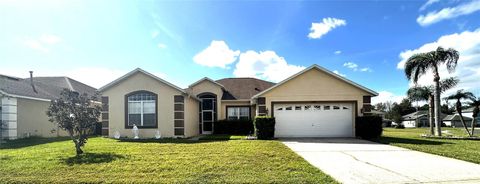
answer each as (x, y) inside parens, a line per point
(141, 107)
(238, 113)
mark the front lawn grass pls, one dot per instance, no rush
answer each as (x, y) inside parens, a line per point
(468, 150)
(157, 161)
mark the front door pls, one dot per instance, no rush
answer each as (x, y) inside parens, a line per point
(208, 114)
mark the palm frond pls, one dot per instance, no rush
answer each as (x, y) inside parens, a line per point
(448, 83)
(420, 93)
(417, 66)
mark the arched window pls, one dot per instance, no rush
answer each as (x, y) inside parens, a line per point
(141, 109)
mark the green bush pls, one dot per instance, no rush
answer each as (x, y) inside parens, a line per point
(264, 127)
(368, 127)
(399, 126)
(233, 127)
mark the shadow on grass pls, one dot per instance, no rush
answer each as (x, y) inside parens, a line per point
(31, 141)
(390, 140)
(92, 158)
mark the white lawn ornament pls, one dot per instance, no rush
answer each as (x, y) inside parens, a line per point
(158, 135)
(116, 135)
(135, 131)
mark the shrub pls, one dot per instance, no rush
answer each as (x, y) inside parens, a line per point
(264, 127)
(368, 127)
(233, 127)
(399, 126)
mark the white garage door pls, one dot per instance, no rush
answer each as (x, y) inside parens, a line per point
(314, 120)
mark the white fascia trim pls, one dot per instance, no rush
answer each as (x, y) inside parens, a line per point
(24, 97)
(208, 79)
(141, 71)
(315, 66)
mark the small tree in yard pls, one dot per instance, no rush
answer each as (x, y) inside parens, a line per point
(76, 114)
(476, 110)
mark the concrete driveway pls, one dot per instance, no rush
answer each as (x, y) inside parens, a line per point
(359, 161)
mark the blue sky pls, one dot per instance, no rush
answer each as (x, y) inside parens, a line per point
(366, 41)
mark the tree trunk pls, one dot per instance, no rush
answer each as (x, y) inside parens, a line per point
(437, 105)
(430, 113)
(474, 120)
(459, 111)
(78, 148)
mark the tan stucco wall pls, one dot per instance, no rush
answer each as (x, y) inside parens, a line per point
(315, 85)
(32, 118)
(192, 121)
(223, 114)
(207, 86)
(140, 81)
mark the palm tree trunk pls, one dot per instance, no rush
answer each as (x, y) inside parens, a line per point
(430, 113)
(459, 111)
(437, 105)
(474, 120)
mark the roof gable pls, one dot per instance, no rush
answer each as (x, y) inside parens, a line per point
(321, 69)
(243, 88)
(206, 79)
(133, 72)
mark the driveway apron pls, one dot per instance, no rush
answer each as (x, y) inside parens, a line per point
(359, 161)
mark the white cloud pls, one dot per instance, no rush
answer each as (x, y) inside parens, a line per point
(265, 65)
(385, 96)
(351, 65)
(467, 43)
(322, 28)
(366, 69)
(36, 45)
(355, 67)
(338, 52)
(161, 46)
(43, 43)
(428, 3)
(50, 39)
(338, 73)
(449, 13)
(218, 54)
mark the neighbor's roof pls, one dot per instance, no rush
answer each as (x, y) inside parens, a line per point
(243, 88)
(47, 88)
(418, 114)
(455, 117)
(314, 66)
(415, 115)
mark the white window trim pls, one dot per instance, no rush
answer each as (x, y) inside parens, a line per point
(238, 114)
(141, 111)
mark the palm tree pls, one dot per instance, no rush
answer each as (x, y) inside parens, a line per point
(424, 93)
(476, 104)
(461, 95)
(418, 65)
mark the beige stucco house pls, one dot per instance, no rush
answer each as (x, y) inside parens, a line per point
(24, 102)
(312, 103)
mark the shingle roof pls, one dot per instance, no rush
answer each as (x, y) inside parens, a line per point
(46, 87)
(455, 117)
(418, 114)
(243, 88)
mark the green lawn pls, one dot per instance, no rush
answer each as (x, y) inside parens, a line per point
(468, 150)
(167, 161)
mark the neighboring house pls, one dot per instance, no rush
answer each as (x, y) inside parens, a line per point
(312, 103)
(24, 102)
(469, 112)
(417, 119)
(454, 121)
